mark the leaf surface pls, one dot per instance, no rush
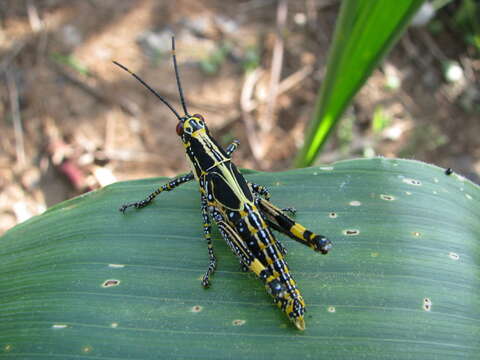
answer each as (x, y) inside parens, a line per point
(404, 287)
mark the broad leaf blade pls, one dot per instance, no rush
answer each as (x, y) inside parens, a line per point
(418, 239)
(364, 33)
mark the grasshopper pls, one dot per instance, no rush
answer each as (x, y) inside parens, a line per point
(241, 209)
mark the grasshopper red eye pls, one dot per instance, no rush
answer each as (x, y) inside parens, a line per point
(179, 129)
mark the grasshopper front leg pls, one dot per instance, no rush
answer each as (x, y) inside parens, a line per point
(167, 187)
(232, 147)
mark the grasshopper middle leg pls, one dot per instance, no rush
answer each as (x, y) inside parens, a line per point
(207, 225)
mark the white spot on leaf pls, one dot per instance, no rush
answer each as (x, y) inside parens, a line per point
(59, 326)
(453, 256)
(196, 309)
(116, 266)
(87, 349)
(412, 181)
(238, 322)
(110, 283)
(427, 304)
(351, 232)
(387, 197)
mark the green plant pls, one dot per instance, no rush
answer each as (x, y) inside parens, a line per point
(70, 61)
(211, 64)
(466, 19)
(380, 120)
(84, 281)
(251, 58)
(365, 31)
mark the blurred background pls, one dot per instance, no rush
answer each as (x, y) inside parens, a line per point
(73, 122)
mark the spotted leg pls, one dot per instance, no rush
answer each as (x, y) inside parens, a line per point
(260, 190)
(167, 187)
(263, 191)
(232, 147)
(282, 223)
(243, 267)
(290, 210)
(273, 285)
(207, 225)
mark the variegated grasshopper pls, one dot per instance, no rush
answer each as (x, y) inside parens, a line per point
(241, 209)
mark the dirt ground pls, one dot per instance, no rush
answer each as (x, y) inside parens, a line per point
(73, 122)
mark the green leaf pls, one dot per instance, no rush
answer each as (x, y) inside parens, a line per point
(364, 33)
(403, 285)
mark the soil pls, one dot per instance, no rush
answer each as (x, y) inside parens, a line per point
(73, 121)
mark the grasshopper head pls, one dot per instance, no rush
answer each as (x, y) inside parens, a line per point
(191, 126)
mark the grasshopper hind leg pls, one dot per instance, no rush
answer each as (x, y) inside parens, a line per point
(274, 287)
(277, 220)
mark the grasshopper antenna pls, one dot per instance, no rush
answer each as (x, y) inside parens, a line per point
(182, 99)
(149, 88)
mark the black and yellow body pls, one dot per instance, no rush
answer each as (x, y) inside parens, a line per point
(244, 217)
(243, 213)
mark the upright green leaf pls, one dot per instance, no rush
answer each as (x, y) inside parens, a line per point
(365, 31)
(83, 281)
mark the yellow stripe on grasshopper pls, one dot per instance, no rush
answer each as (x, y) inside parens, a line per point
(298, 230)
(257, 267)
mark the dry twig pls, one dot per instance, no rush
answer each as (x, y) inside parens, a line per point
(294, 79)
(16, 117)
(277, 62)
(247, 105)
(16, 48)
(34, 19)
